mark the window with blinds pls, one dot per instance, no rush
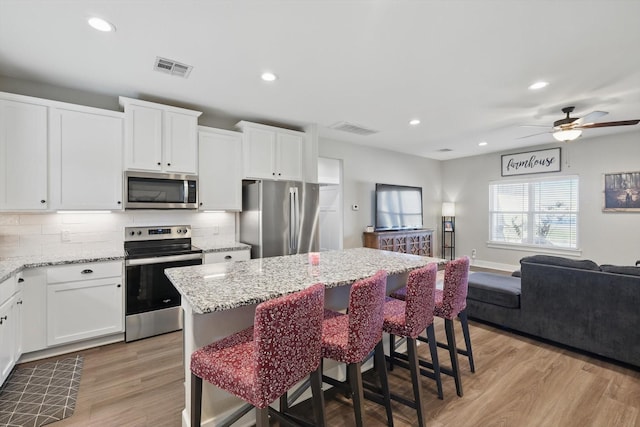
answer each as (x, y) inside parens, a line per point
(542, 212)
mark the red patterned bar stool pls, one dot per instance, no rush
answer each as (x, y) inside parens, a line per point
(408, 319)
(451, 302)
(350, 338)
(262, 362)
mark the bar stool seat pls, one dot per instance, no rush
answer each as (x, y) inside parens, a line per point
(259, 364)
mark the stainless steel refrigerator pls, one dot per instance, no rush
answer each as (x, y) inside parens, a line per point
(279, 217)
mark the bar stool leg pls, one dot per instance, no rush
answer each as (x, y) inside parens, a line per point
(196, 400)
(414, 367)
(453, 353)
(318, 397)
(381, 366)
(467, 338)
(433, 349)
(262, 417)
(357, 391)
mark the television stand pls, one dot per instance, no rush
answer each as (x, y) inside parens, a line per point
(415, 242)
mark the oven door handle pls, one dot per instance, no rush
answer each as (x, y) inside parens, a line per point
(162, 259)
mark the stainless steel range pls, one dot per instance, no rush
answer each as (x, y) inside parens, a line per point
(152, 304)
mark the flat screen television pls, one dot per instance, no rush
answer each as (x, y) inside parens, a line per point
(398, 207)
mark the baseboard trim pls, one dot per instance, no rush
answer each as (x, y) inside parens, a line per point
(70, 348)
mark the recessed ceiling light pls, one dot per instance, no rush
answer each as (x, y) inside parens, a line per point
(414, 122)
(538, 85)
(483, 143)
(101, 25)
(269, 77)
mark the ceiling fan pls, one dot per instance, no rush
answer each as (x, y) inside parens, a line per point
(570, 128)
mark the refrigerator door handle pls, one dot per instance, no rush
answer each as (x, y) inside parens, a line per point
(294, 220)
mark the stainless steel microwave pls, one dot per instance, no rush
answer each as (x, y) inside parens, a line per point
(148, 190)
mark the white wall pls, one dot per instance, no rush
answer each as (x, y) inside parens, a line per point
(612, 238)
(363, 167)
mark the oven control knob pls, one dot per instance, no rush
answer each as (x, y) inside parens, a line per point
(139, 233)
(131, 233)
(184, 231)
(179, 230)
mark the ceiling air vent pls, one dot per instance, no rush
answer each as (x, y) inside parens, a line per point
(353, 128)
(172, 67)
(444, 150)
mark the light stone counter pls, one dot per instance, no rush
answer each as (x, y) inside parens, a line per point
(218, 287)
(12, 265)
(94, 253)
(220, 299)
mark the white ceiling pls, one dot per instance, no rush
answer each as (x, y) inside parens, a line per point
(461, 67)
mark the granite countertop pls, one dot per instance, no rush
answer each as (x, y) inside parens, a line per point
(224, 286)
(99, 253)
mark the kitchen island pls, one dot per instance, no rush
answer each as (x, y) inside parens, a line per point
(220, 299)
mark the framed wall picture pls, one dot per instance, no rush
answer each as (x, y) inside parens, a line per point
(621, 192)
(448, 226)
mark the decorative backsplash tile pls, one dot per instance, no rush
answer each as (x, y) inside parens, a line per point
(38, 233)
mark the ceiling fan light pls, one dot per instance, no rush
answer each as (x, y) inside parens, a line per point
(567, 135)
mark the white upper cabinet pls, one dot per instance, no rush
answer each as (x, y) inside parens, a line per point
(271, 153)
(86, 158)
(159, 137)
(220, 167)
(23, 153)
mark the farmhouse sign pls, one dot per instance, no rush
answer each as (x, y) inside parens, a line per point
(540, 161)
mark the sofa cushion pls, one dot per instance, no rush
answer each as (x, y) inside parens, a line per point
(621, 269)
(496, 289)
(583, 264)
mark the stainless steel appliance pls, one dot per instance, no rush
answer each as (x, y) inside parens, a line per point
(144, 190)
(279, 217)
(152, 303)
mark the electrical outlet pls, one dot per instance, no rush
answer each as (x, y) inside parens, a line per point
(65, 236)
(473, 253)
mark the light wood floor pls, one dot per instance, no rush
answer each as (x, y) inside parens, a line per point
(518, 382)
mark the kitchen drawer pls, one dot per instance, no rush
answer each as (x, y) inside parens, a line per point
(87, 271)
(214, 257)
(7, 288)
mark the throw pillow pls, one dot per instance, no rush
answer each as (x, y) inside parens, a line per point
(620, 269)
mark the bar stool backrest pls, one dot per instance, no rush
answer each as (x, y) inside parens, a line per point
(366, 305)
(287, 337)
(420, 299)
(454, 295)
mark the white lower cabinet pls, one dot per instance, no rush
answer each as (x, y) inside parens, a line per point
(34, 309)
(84, 301)
(227, 256)
(10, 323)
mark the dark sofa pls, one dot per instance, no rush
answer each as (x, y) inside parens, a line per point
(575, 303)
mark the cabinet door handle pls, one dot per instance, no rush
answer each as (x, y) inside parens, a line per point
(119, 202)
(43, 201)
(168, 164)
(228, 257)
(2, 319)
(87, 271)
(20, 280)
(274, 174)
(19, 302)
(119, 285)
(159, 163)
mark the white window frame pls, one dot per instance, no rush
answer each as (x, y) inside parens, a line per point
(531, 245)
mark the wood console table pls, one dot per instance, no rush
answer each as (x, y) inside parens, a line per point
(415, 242)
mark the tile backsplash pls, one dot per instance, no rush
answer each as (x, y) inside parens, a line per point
(38, 233)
